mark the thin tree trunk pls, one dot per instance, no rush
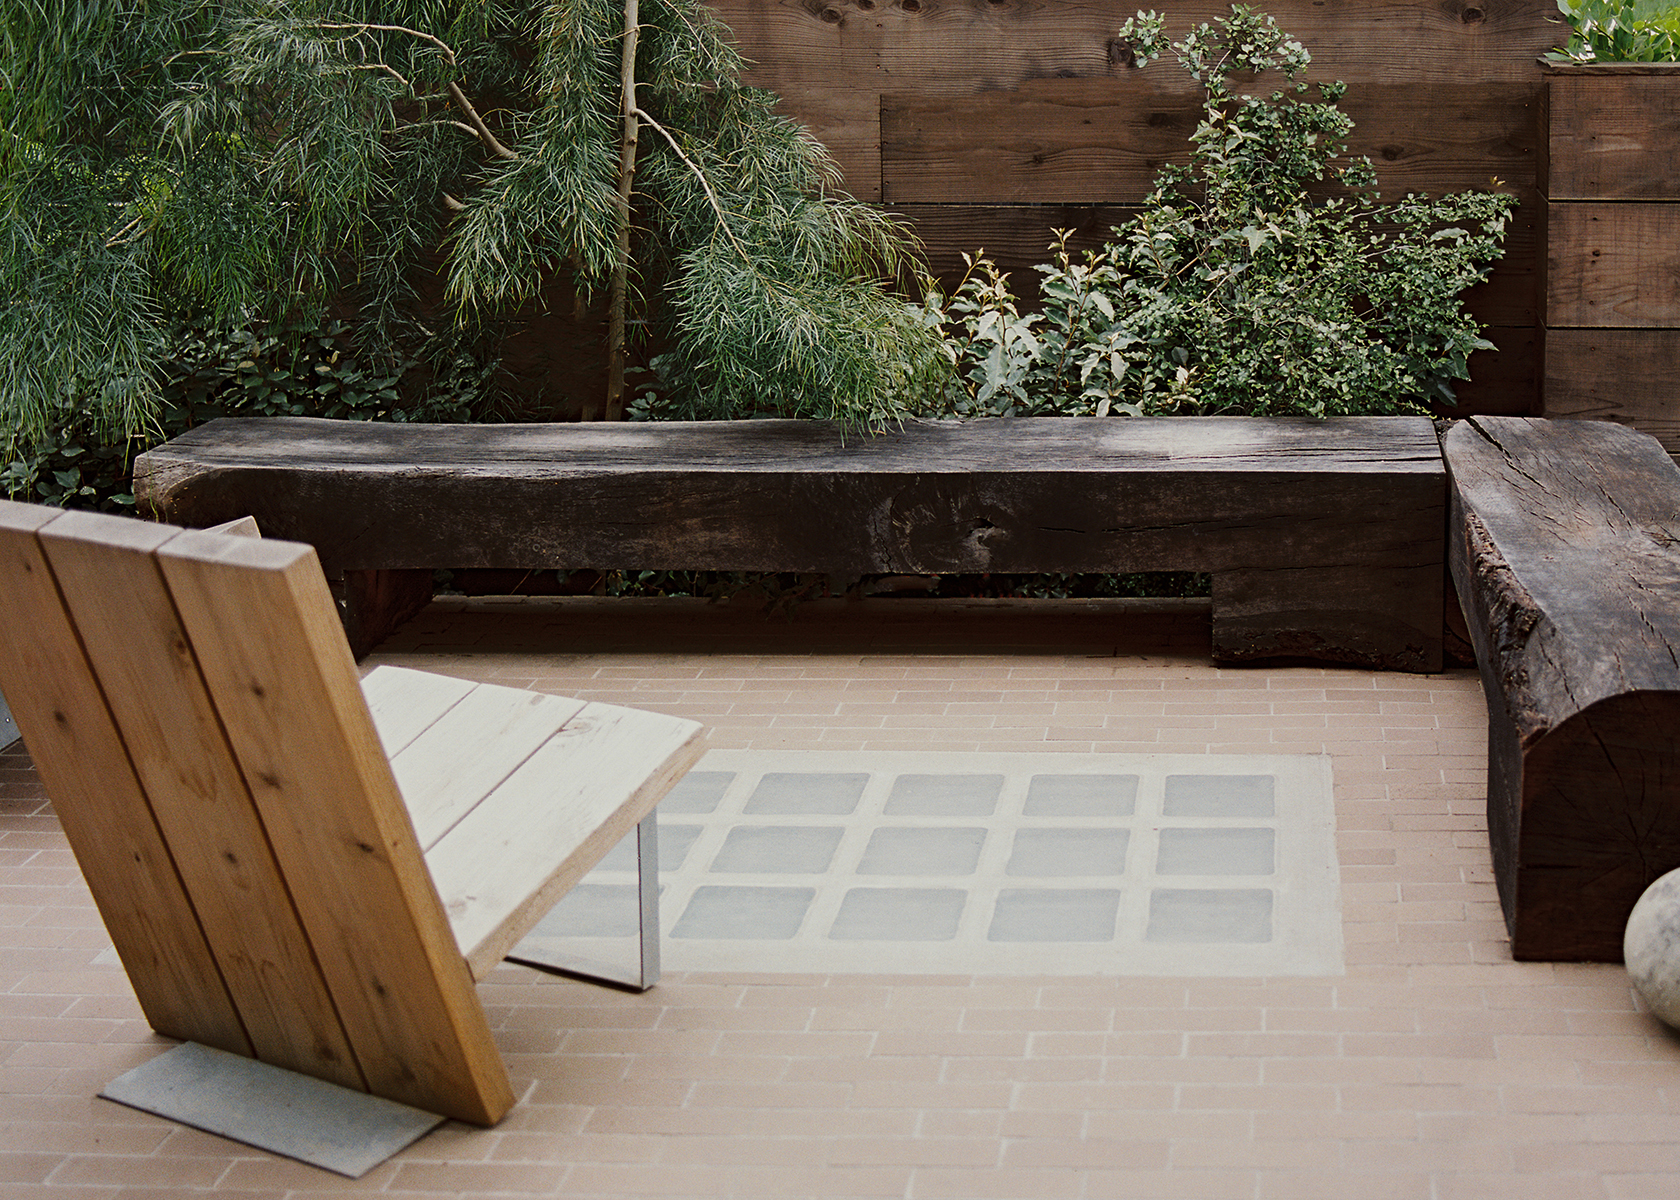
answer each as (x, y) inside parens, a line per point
(618, 292)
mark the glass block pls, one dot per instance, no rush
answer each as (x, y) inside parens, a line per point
(1210, 915)
(824, 793)
(1081, 796)
(1057, 852)
(899, 915)
(1219, 796)
(1055, 915)
(772, 913)
(594, 910)
(1242, 851)
(675, 841)
(939, 851)
(696, 792)
(944, 795)
(782, 849)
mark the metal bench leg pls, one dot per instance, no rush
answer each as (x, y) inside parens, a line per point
(647, 889)
(647, 925)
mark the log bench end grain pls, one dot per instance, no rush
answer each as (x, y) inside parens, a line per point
(1565, 548)
(1323, 537)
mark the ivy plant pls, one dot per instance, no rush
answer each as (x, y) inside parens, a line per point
(1266, 276)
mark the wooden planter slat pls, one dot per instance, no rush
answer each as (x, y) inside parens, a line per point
(1612, 262)
(956, 47)
(1613, 265)
(1622, 375)
(1060, 141)
(1614, 136)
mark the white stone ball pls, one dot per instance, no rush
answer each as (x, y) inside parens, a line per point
(1651, 947)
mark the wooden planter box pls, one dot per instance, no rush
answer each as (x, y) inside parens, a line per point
(1610, 176)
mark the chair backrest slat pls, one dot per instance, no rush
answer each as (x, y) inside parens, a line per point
(194, 712)
(108, 573)
(276, 665)
(76, 746)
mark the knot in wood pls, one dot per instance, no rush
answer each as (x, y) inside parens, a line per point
(1121, 53)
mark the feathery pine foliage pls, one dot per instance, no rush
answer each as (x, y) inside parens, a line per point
(245, 163)
(1265, 277)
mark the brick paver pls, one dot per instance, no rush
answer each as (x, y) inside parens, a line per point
(1434, 1069)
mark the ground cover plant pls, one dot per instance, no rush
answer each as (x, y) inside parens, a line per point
(1266, 276)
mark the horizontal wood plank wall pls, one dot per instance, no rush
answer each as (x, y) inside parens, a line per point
(988, 123)
(1612, 271)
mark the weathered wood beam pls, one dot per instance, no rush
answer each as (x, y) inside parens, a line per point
(1328, 533)
(1565, 549)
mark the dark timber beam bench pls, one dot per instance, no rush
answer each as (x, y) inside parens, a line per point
(1324, 538)
(1565, 549)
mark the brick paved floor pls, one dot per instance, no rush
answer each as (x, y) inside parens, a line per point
(1434, 1069)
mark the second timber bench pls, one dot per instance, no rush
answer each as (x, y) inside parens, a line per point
(1565, 547)
(1324, 538)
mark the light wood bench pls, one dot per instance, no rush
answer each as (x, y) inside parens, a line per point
(1323, 537)
(1565, 547)
(237, 802)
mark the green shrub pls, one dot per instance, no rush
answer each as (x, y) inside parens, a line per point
(248, 370)
(1265, 277)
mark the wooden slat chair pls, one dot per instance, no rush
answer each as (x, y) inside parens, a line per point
(238, 805)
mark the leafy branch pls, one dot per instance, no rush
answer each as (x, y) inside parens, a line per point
(1265, 276)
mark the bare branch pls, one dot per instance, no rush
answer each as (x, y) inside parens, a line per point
(421, 34)
(478, 126)
(124, 235)
(705, 184)
(387, 68)
(452, 204)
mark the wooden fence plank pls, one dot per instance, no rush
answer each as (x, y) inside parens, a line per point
(955, 47)
(847, 121)
(1079, 141)
(99, 801)
(286, 689)
(150, 679)
(1506, 380)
